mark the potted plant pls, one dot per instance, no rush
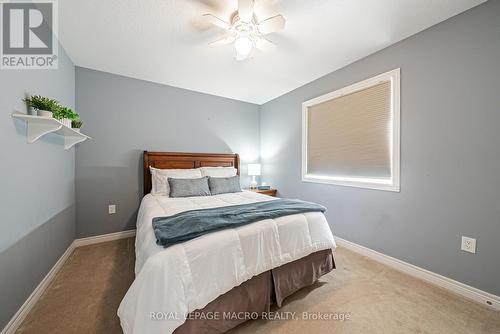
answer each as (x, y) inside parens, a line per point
(76, 124)
(65, 115)
(44, 106)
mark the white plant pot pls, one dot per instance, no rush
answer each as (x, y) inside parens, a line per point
(44, 113)
(77, 129)
(66, 122)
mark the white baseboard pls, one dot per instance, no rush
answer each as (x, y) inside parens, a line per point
(104, 237)
(23, 311)
(462, 289)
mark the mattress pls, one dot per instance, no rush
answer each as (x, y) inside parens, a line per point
(177, 280)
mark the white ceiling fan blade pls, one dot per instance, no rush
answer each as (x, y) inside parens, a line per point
(216, 21)
(264, 44)
(245, 10)
(223, 41)
(272, 24)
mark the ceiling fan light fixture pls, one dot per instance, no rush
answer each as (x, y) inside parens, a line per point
(243, 47)
(246, 31)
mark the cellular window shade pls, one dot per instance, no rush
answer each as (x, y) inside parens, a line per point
(349, 136)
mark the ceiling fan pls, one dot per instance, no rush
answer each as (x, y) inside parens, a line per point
(245, 30)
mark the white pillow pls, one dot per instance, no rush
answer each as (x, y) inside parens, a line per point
(159, 178)
(218, 171)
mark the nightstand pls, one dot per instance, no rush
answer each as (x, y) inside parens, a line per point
(270, 192)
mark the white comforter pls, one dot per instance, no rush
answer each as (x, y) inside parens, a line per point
(177, 280)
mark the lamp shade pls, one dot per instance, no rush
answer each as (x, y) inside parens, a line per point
(254, 169)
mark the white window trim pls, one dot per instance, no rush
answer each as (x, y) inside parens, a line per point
(391, 185)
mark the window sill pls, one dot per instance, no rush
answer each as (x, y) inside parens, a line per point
(356, 183)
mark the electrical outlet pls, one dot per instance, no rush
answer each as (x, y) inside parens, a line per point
(469, 244)
(112, 209)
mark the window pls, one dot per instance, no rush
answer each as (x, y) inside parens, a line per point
(350, 137)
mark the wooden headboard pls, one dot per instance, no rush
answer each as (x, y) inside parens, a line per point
(175, 160)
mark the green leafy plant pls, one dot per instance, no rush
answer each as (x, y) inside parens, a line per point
(39, 102)
(76, 124)
(65, 112)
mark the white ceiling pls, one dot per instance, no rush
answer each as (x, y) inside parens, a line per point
(165, 41)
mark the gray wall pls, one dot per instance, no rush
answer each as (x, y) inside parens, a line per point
(126, 116)
(450, 161)
(37, 200)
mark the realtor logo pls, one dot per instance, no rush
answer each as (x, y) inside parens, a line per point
(29, 35)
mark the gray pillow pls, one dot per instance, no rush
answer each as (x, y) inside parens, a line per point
(223, 185)
(189, 187)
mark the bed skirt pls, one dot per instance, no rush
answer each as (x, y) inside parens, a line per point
(255, 296)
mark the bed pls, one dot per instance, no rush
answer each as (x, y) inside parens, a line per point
(215, 282)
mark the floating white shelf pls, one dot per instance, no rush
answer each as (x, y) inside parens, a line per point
(40, 126)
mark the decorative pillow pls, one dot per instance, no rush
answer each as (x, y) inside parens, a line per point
(189, 187)
(218, 171)
(159, 183)
(224, 185)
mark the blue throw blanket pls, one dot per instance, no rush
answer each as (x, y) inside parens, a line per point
(188, 225)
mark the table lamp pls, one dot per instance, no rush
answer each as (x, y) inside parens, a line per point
(254, 170)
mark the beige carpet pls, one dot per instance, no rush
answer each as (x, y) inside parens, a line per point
(84, 297)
